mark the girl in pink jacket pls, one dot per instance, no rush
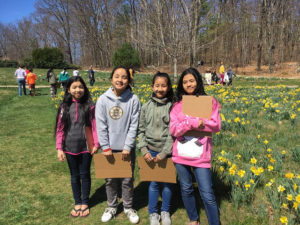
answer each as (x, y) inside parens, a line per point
(77, 112)
(193, 154)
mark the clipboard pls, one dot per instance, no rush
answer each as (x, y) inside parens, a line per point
(163, 171)
(201, 107)
(112, 167)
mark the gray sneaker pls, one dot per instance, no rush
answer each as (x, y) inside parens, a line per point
(154, 219)
(165, 218)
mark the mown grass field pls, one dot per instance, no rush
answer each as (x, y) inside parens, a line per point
(256, 160)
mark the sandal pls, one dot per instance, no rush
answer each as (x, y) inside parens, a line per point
(82, 211)
(76, 211)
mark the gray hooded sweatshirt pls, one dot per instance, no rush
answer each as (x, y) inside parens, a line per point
(117, 120)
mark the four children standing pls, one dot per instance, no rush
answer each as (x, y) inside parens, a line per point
(117, 121)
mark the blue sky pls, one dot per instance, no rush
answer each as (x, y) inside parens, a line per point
(13, 10)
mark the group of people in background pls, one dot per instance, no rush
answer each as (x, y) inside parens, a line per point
(116, 121)
(223, 78)
(25, 76)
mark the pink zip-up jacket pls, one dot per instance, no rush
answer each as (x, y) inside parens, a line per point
(60, 137)
(181, 123)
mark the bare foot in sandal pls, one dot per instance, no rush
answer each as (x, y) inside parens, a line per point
(76, 211)
(85, 211)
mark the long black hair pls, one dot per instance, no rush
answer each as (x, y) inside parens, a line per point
(199, 89)
(127, 73)
(64, 108)
(170, 93)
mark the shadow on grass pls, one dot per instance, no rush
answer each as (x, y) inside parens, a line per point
(141, 197)
(140, 194)
(221, 190)
(98, 197)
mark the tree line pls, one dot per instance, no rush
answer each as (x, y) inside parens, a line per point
(238, 32)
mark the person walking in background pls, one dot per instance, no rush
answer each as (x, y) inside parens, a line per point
(117, 118)
(132, 72)
(31, 78)
(230, 75)
(155, 143)
(221, 72)
(215, 77)
(21, 76)
(63, 78)
(75, 115)
(76, 73)
(207, 77)
(26, 70)
(192, 154)
(52, 79)
(91, 75)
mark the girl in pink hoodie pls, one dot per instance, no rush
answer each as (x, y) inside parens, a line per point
(193, 154)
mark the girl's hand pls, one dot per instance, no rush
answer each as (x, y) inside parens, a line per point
(157, 158)
(61, 155)
(148, 157)
(125, 154)
(201, 124)
(94, 150)
(108, 153)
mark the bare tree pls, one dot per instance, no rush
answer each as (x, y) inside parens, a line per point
(58, 12)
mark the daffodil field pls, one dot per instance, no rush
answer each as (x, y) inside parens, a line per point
(257, 152)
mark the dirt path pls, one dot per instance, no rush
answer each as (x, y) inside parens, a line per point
(16, 86)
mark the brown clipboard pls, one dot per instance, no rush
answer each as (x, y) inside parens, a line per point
(112, 167)
(163, 171)
(201, 107)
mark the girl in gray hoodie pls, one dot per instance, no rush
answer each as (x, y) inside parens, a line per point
(117, 116)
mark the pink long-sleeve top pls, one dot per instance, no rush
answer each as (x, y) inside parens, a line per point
(76, 130)
(193, 151)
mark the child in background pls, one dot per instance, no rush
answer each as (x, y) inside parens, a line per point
(30, 79)
(215, 77)
(63, 78)
(192, 155)
(132, 72)
(117, 116)
(51, 77)
(75, 73)
(76, 112)
(91, 75)
(222, 71)
(230, 74)
(21, 76)
(27, 70)
(155, 142)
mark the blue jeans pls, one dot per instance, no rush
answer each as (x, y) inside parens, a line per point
(153, 193)
(80, 177)
(203, 178)
(92, 81)
(21, 83)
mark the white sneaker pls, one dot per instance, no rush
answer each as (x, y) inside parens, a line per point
(108, 214)
(165, 218)
(154, 219)
(132, 215)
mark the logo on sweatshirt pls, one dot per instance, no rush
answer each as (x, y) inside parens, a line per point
(116, 112)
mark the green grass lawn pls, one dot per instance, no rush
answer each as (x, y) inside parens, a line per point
(35, 186)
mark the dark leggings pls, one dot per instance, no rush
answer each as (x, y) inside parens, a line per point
(80, 177)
